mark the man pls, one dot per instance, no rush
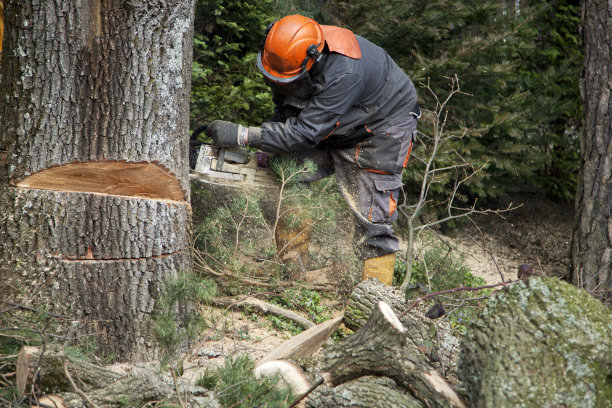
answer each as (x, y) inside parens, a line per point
(343, 103)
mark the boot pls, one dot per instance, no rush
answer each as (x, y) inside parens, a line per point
(380, 268)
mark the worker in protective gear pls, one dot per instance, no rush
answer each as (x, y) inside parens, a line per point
(343, 103)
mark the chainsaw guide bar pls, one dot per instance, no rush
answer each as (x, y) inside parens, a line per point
(235, 167)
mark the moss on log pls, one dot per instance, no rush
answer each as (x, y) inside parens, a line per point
(541, 343)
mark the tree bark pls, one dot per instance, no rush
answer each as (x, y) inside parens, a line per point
(592, 238)
(361, 394)
(379, 348)
(99, 385)
(420, 331)
(541, 343)
(94, 188)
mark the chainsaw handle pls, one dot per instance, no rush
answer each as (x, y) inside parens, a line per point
(198, 130)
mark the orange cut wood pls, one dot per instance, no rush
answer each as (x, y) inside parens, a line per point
(109, 177)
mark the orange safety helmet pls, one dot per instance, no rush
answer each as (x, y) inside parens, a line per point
(291, 47)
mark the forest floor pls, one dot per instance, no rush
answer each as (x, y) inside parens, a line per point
(538, 233)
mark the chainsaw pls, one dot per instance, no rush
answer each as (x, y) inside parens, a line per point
(232, 167)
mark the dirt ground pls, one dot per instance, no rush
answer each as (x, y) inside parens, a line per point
(538, 233)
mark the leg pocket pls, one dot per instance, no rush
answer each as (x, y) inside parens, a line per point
(385, 195)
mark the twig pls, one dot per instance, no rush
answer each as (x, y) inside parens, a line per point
(311, 389)
(464, 288)
(178, 393)
(492, 257)
(77, 389)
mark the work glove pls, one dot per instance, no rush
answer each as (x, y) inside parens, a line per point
(225, 134)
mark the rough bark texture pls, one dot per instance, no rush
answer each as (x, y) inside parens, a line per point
(542, 343)
(419, 329)
(379, 348)
(51, 377)
(85, 80)
(592, 239)
(141, 385)
(94, 82)
(361, 394)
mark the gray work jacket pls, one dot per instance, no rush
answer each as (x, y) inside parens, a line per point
(349, 93)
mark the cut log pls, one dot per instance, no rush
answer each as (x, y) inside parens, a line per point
(100, 386)
(49, 371)
(379, 348)
(290, 373)
(361, 394)
(420, 331)
(265, 308)
(542, 343)
(305, 343)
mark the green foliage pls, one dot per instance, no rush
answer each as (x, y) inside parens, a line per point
(237, 387)
(177, 318)
(519, 72)
(445, 271)
(437, 270)
(236, 237)
(307, 301)
(209, 379)
(225, 81)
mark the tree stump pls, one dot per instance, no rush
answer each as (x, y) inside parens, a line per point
(542, 343)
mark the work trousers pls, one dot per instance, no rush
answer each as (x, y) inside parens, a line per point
(371, 194)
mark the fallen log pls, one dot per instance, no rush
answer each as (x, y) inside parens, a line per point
(265, 308)
(361, 394)
(379, 348)
(48, 370)
(75, 383)
(420, 331)
(540, 343)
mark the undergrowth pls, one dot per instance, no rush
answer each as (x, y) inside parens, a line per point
(236, 386)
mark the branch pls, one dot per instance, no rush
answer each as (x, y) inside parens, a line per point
(464, 288)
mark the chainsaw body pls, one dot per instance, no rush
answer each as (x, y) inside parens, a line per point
(233, 167)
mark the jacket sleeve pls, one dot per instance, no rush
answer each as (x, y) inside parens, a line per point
(317, 120)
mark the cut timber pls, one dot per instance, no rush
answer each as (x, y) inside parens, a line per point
(49, 369)
(290, 373)
(419, 330)
(101, 386)
(379, 348)
(265, 308)
(361, 394)
(109, 177)
(305, 343)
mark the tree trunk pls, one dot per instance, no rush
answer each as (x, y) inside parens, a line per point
(592, 239)
(420, 331)
(94, 189)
